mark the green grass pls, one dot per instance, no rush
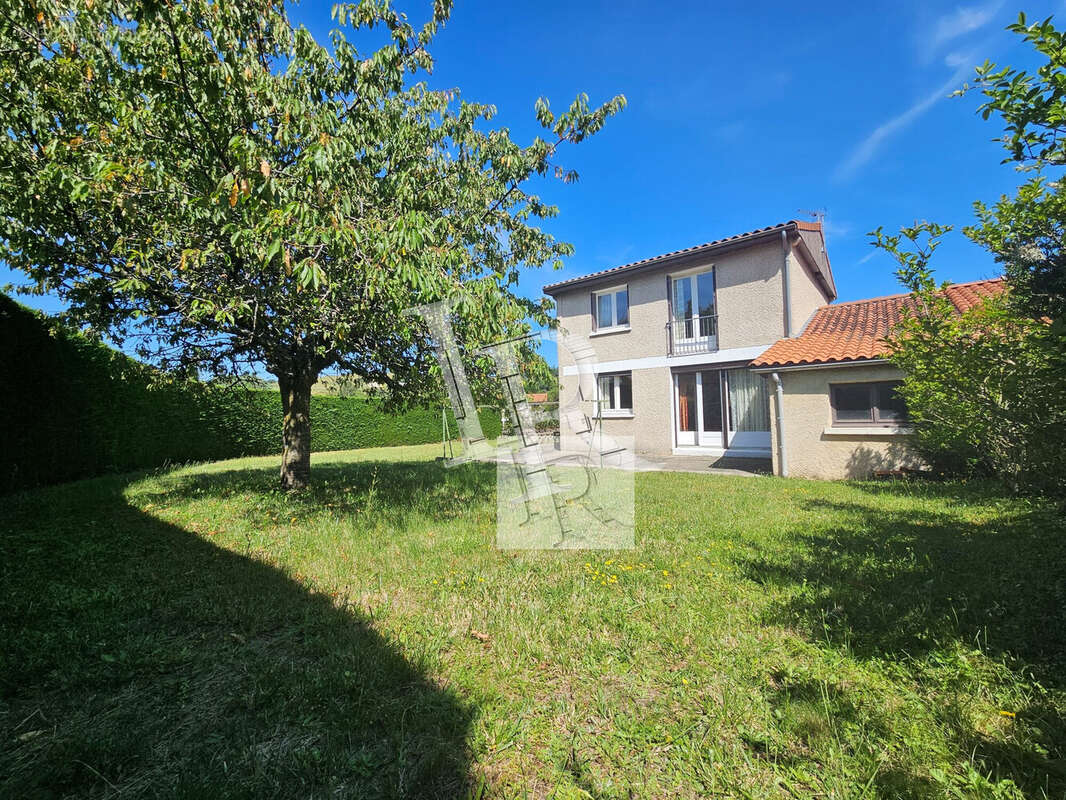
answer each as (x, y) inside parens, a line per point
(197, 633)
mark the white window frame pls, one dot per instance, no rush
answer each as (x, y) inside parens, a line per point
(616, 395)
(613, 293)
(693, 275)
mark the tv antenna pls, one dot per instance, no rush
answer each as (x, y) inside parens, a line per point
(817, 214)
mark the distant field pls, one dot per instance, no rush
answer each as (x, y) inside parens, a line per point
(197, 633)
(329, 385)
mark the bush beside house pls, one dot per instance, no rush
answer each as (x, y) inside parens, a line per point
(74, 408)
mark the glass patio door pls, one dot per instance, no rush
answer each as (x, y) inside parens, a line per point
(698, 409)
(711, 420)
(721, 408)
(686, 409)
(748, 413)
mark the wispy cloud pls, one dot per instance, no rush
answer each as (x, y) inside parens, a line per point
(869, 146)
(963, 20)
(867, 257)
(834, 229)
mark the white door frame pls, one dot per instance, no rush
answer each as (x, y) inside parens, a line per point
(699, 437)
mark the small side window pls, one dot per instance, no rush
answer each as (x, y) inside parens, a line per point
(851, 403)
(875, 403)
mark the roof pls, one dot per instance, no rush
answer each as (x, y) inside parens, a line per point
(813, 230)
(855, 331)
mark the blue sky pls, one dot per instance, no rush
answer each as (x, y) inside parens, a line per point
(742, 115)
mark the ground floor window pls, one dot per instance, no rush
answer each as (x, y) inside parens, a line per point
(872, 403)
(615, 394)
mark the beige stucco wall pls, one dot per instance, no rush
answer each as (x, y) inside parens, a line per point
(810, 451)
(648, 315)
(750, 296)
(805, 294)
(650, 426)
(750, 306)
(750, 301)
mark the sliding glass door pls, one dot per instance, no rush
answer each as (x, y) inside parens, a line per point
(749, 409)
(721, 408)
(687, 390)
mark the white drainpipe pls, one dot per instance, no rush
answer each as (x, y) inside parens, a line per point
(779, 393)
(787, 284)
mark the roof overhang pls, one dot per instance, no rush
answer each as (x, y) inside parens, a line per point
(815, 263)
(858, 362)
(682, 258)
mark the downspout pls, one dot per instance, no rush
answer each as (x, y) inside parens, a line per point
(787, 284)
(779, 395)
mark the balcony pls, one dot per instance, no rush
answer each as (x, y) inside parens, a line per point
(692, 335)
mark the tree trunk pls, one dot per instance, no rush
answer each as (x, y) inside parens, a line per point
(296, 430)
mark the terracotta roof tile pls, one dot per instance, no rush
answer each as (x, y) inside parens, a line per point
(856, 330)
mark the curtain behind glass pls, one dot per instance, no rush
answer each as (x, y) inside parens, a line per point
(749, 401)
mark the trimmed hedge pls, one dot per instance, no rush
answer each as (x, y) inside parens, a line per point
(74, 408)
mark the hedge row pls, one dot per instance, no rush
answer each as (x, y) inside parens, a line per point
(73, 408)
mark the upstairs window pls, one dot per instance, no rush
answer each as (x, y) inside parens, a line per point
(692, 298)
(610, 308)
(615, 394)
(868, 403)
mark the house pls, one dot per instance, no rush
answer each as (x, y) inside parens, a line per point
(839, 413)
(734, 349)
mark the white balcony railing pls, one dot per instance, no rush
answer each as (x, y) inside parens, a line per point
(692, 335)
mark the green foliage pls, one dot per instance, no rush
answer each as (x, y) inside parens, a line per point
(985, 389)
(75, 408)
(537, 375)
(219, 185)
(1026, 232)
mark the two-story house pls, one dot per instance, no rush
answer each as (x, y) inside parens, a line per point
(734, 348)
(675, 336)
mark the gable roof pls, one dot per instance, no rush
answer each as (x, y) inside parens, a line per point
(855, 331)
(810, 238)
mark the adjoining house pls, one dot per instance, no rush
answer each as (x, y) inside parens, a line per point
(839, 412)
(694, 349)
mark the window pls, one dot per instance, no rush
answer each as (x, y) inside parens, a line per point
(867, 403)
(693, 306)
(615, 394)
(611, 308)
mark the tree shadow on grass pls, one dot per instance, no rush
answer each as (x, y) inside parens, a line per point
(913, 585)
(138, 659)
(390, 491)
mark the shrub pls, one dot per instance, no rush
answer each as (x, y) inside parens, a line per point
(986, 388)
(74, 408)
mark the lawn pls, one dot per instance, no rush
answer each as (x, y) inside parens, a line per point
(197, 633)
